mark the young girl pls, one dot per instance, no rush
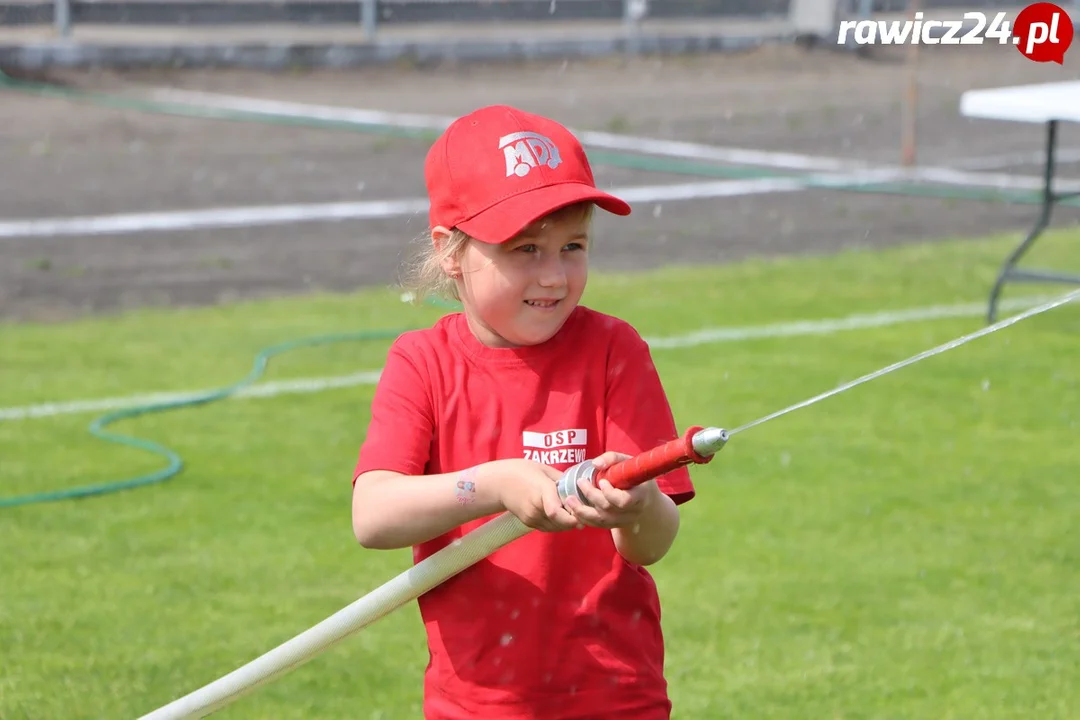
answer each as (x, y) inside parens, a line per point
(483, 412)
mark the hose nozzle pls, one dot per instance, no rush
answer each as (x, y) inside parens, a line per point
(709, 441)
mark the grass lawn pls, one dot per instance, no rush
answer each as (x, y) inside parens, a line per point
(905, 550)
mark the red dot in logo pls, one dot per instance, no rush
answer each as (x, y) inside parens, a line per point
(1043, 32)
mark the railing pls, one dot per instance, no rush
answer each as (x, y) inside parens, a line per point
(370, 15)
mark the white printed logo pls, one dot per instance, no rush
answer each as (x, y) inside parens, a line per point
(556, 448)
(525, 150)
(926, 32)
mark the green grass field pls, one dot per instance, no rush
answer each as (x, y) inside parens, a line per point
(905, 550)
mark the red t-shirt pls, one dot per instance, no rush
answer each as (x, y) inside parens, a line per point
(553, 625)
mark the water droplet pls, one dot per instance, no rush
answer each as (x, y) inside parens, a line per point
(506, 639)
(636, 616)
(986, 385)
(657, 209)
(785, 458)
(515, 614)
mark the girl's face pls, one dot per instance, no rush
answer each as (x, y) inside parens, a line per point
(522, 291)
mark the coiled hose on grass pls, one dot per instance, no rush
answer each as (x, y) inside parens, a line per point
(175, 462)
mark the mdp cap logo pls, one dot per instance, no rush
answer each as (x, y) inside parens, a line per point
(526, 150)
(1043, 32)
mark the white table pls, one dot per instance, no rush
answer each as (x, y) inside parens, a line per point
(1048, 104)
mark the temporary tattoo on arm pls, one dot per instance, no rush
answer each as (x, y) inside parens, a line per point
(466, 486)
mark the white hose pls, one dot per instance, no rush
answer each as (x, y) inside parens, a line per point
(409, 585)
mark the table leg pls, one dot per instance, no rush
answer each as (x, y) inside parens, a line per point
(1009, 269)
(1040, 224)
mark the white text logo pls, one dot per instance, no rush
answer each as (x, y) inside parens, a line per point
(525, 150)
(925, 32)
(556, 448)
(1042, 31)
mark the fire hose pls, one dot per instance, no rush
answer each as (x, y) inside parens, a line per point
(697, 445)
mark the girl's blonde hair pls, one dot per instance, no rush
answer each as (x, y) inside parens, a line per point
(424, 275)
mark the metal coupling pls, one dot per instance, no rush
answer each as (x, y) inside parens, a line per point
(568, 483)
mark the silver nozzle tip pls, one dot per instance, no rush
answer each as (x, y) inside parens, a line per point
(710, 441)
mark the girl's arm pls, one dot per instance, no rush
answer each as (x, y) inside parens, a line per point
(648, 540)
(391, 510)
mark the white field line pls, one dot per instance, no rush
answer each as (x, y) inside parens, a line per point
(1000, 162)
(828, 327)
(270, 389)
(415, 121)
(267, 215)
(701, 337)
(610, 141)
(255, 216)
(251, 216)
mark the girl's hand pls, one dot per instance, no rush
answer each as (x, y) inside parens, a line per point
(611, 507)
(530, 491)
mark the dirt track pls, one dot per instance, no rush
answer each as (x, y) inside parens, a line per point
(62, 159)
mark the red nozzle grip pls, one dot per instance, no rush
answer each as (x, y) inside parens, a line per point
(653, 463)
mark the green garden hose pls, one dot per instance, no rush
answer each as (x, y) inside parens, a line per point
(175, 462)
(614, 159)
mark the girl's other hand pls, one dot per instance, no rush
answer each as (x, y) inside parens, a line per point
(610, 507)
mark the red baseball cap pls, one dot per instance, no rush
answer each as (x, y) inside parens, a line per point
(498, 169)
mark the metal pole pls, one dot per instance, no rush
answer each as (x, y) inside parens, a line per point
(368, 13)
(907, 147)
(634, 11)
(62, 17)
